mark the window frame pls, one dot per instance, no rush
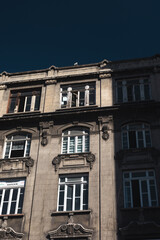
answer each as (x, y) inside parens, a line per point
(11, 185)
(83, 181)
(34, 94)
(88, 88)
(27, 143)
(126, 134)
(129, 188)
(133, 83)
(85, 140)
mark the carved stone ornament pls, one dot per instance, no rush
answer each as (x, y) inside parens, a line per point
(50, 82)
(105, 134)
(70, 230)
(44, 141)
(90, 159)
(8, 232)
(56, 161)
(3, 87)
(16, 164)
(105, 75)
(87, 157)
(137, 228)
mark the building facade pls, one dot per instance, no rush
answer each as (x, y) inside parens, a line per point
(79, 152)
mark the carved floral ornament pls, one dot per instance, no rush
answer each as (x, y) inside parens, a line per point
(70, 230)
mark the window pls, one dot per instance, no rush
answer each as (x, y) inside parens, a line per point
(11, 196)
(17, 145)
(75, 140)
(133, 90)
(73, 193)
(77, 95)
(136, 136)
(24, 101)
(140, 189)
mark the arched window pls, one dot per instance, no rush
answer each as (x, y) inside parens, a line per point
(75, 140)
(17, 145)
(136, 135)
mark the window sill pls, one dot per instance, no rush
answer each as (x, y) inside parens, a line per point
(56, 213)
(75, 108)
(20, 113)
(139, 208)
(6, 216)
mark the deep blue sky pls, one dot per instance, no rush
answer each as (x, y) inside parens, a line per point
(39, 33)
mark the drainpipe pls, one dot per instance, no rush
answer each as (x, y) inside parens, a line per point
(100, 137)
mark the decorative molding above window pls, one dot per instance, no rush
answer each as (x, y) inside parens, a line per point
(71, 230)
(21, 164)
(74, 160)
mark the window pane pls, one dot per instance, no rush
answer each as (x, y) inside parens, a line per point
(8, 145)
(72, 145)
(148, 139)
(28, 103)
(13, 206)
(132, 139)
(147, 92)
(61, 198)
(137, 93)
(12, 105)
(136, 193)
(79, 144)
(125, 140)
(130, 93)
(77, 204)
(37, 103)
(4, 209)
(140, 139)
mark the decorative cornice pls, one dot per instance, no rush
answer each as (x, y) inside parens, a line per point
(105, 75)
(48, 82)
(3, 87)
(71, 229)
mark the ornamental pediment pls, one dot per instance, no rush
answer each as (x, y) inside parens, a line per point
(10, 234)
(70, 230)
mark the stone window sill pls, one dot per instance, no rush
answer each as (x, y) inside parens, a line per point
(56, 213)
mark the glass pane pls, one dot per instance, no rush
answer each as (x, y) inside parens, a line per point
(77, 204)
(130, 93)
(125, 140)
(12, 209)
(137, 93)
(140, 139)
(37, 103)
(65, 145)
(120, 94)
(27, 148)
(6, 196)
(4, 209)
(79, 144)
(86, 143)
(8, 144)
(12, 105)
(148, 138)
(69, 204)
(81, 100)
(72, 145)
(28, 103)
(14, 196)
(132, 139)
(61, 198)
(136, 193)
(69, 191)
(147, 92)
(77, 192)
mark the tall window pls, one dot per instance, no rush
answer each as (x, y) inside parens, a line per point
(11, 196)
(24, 100)
(140, 189)
(133, 90)
(136, 136)
(75, 140)
(17, 145)
(73, 193)
(77, 95)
